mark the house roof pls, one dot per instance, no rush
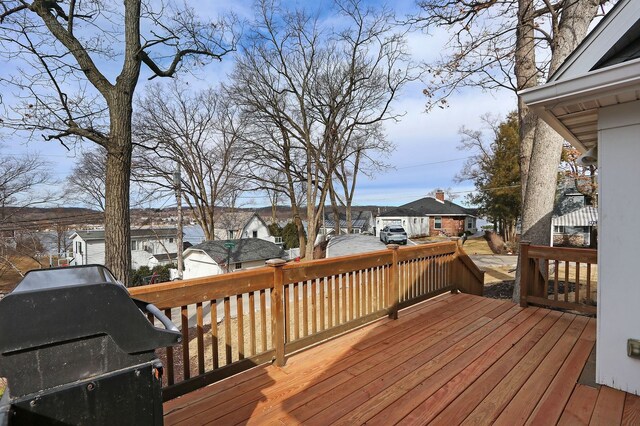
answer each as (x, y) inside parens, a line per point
(260, 219)
(429, 206)
(604, 70)
(359, 219)
(585, 216)
(166, 257)
(245, 250)
(95, 235)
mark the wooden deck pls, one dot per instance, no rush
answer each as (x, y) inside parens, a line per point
(450, 360)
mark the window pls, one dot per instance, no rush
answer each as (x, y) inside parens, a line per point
(278, 240)
(79, 247)
(415, 220)
(238, 265)
(134, 245)
(559, 229)
(170, 240)
(255, 234)
(469, 223)
(437, 222)
(230, 234)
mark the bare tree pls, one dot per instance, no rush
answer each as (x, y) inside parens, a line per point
(201, 132)
(368, 148)
(78, 67)
(87, 181)
(24, 182)
(309, 87)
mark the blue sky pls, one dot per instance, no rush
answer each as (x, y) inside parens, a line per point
(426, 155)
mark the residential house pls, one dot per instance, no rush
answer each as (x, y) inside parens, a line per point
(220, 256)
(362, 221)
(238, 225)
(146, 243)
(429, 216)
(593, 101)
(576, 228)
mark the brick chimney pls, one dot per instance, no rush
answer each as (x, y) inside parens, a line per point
(440, 195)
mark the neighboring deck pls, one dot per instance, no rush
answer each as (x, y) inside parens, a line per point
(453, 359)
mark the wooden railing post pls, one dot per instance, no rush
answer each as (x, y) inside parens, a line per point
(524, 273)
(456, 271)
(277, 310)
(394, 296)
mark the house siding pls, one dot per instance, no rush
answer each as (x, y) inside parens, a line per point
(618, 290)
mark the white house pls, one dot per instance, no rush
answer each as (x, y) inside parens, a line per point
(237, 225)
(256, 227)
(149, 247)
(575, 228)
(220, 256)
(593, 101)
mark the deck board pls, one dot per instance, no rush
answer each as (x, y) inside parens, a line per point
(451, 359)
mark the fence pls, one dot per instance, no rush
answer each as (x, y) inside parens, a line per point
(234, 321)
(556, 277)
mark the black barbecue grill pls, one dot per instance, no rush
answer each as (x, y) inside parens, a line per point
(77, 349)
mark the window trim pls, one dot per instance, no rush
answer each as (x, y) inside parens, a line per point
(437, 222)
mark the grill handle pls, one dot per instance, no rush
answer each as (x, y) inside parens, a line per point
(160, 316)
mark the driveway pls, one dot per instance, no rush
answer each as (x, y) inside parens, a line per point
(345, 245)
(488, 261)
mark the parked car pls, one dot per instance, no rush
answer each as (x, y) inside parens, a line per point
(393, 234)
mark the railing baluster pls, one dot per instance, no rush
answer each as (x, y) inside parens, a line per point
(184, 313)
(170, 373)
(555, 280)
(588, 283)
(344, 306)
(314, 306)
(351, 289)
(566, 281)
(227, 330)
(200, 336)
(252, 323)
(296, 311)
(323, 285)
(336, 292)
(214, 333)
(263, 318)
(330, 294)
(577, 295)
(240, 322)
(376, 285)
(305, 308)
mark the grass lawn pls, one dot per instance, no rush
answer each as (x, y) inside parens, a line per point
(477, 245)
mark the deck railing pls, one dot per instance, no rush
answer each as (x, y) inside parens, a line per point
(234, 321)
(558, 277)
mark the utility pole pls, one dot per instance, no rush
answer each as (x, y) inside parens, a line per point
(177, 183)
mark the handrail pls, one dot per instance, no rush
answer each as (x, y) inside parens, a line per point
(233, 321)
(558, 277)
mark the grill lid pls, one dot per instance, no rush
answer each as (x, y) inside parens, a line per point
(41, 279)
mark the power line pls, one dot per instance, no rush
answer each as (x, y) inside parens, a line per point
(436, 162)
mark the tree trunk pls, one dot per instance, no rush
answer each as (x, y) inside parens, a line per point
(541, 176)
(311, 231)
(348, 214)
(526, 77)
(334, 210)
(117, 219)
